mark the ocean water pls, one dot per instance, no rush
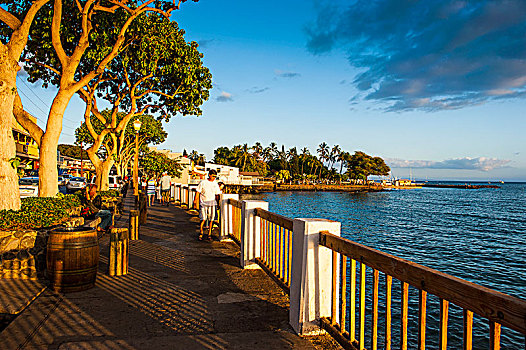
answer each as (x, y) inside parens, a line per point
(475, 234)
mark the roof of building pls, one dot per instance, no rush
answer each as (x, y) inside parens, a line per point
(249, 173)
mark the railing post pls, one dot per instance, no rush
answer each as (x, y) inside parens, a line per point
(226, 215)
(180, 195)
(311, 279)
(192, 190)
(185, 196)
(251, 233)
(173, 192)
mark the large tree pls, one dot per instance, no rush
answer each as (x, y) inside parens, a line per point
(16, 18)
(72, 45)
(155, 163)
(361, 165)
(157, 72)
(116, 150)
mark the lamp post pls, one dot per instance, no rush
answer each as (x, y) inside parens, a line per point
(136, 126)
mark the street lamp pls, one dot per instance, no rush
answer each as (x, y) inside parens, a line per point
(136, 126)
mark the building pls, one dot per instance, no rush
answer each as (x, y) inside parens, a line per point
(186, 164)
(26, 147)
(227, 174)
(250, 178)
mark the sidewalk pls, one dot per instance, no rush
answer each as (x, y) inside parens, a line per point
(180, 293)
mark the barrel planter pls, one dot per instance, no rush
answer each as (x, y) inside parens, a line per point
(72, 258)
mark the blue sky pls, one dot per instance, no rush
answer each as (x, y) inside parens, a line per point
(434, 87)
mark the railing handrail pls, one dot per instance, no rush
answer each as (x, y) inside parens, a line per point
(235, 203)
(490, 304)
(277, 219)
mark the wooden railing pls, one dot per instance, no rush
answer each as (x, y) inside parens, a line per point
(498, 308)
(236, 220)
(276, 246)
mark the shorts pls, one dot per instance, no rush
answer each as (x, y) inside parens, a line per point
(207, 213)
(165, 192)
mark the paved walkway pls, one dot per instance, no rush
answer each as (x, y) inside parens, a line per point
(180, 293)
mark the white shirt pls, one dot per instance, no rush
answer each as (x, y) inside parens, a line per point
(165, 182)
(208, 191)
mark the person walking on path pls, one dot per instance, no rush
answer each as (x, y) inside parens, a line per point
(207, 195)
(166, 182)
(150, 190)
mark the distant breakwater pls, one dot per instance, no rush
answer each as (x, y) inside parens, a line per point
(465, 186)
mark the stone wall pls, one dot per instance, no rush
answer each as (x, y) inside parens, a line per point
(20, 252)
(23, 252)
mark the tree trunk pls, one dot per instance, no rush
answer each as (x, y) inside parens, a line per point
(102, 169)
(103, 173)
(48, 172)
(9, 192)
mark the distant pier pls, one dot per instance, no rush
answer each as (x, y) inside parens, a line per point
(465, 186)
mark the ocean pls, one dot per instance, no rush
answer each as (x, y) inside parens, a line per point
(475, 234)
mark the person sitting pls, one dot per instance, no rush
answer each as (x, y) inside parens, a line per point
(93, 203)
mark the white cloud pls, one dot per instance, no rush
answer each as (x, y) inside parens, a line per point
(224, 97)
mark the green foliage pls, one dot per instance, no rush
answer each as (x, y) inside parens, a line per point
(15, 162)
(291, 165)
(110, 193)
(361, 165)
(72, 151)
(176, 80)
(151, 132)
(155, 163)
(39, 212)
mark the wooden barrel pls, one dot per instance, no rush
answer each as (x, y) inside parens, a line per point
(72, 258)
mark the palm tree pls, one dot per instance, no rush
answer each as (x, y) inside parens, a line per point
(194, 155)
(304, 153)
(244, 157)
(201, 159)
(323, 151)
(273, 148)
(335, 153)
(267, 154)
(343, 157)
(283, 159)
(258, 150)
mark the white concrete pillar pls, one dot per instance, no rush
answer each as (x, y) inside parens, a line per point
(311, 281)
(226, 215)
(191, 196)
(175, 192)
(184, 191)
(251, 233)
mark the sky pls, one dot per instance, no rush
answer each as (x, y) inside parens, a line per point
(436, 88)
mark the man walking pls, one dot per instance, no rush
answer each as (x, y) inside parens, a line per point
(165, 188)
(207, 196)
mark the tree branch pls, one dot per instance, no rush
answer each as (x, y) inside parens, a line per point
(11, 21)
(18, 39)
(24, 119)
(55, 34)
(45, 66)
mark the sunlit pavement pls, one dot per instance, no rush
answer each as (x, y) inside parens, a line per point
(180, 293)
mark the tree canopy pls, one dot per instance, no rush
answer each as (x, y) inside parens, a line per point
(155, 163)
(289, 165)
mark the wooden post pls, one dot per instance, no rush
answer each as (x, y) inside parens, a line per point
(118, 252)
(143, 209)
(134, 225)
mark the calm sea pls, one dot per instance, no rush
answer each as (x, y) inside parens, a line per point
(478, 235)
